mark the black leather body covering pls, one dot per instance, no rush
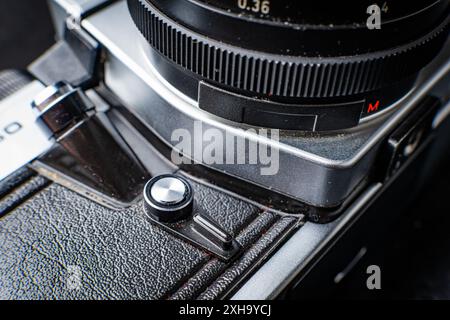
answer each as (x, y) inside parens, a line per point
(47, 230)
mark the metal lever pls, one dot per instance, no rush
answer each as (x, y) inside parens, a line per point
(169, 203)
(212, 232)
(90, 157)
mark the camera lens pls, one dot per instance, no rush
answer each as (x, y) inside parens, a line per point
(288, 64)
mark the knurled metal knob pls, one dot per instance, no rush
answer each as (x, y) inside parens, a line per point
(168, 198)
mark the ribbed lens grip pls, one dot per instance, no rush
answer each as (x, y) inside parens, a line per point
(277, 75)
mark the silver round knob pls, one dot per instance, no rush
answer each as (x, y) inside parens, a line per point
(168, 198)
(169, 190)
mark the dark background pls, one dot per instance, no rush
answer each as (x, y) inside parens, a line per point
(25, 32)
(417, 263)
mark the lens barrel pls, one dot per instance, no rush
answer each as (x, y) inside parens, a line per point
(303, 65)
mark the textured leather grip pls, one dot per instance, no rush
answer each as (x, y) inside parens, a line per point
(50, 236)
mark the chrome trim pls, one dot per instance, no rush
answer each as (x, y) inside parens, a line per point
(298, 252)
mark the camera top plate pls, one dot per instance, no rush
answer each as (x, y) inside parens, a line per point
(321, 170)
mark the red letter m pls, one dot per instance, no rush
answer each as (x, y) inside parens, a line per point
(372, 107)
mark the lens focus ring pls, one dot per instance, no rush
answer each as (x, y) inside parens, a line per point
(278, 75)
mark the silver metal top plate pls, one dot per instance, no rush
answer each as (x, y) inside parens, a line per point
(320, 170)
(22, 138)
